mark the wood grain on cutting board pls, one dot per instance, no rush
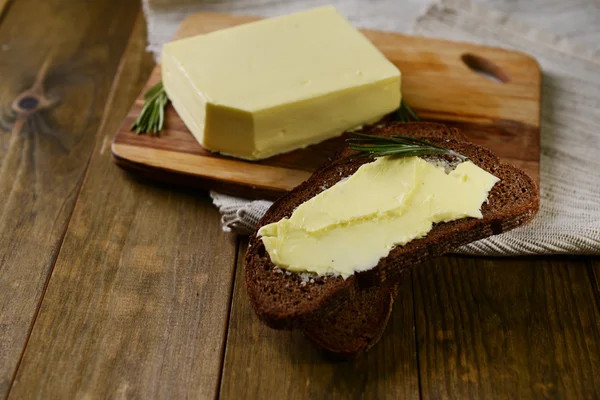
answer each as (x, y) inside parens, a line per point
(438, 81)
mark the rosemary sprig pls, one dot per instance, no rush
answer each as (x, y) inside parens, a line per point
(399, 146)
(152, 117)
(405, 113)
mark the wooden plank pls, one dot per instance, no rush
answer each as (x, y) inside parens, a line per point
(437, 81)
(3, 7)
(507, 329)
(594, 269)
(65, 55)
(265, 363)
(138, 301)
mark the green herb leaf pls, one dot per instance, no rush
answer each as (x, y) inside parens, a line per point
(398, 146)
(405, 113)
(152, 116)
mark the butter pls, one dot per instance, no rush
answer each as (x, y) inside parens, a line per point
(278, 84)
(386, 203)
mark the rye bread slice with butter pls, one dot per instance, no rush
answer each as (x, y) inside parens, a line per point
(357, 324)
(285, 300)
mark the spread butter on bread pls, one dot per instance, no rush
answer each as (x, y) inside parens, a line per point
(345, 315)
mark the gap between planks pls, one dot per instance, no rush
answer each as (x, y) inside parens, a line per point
(415, 322)
(239, 248)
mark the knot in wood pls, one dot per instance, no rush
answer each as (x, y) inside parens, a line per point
(30, 102)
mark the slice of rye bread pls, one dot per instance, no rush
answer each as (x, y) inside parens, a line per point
(285, 300)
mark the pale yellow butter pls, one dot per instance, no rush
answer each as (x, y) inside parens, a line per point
(278, 84)
(388, 202)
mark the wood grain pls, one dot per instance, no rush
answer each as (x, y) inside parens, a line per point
(503, 116)
(594, 269)
(3, 7)
(264, 363)
(137, 303)
(507, 329)
(73, 53)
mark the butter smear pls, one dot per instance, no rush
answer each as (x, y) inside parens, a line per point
(386, 203)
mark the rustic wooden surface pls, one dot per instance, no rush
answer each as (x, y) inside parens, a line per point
(525, 328)
(73, 53)
(140, 293)
(148, 272)
(3, 6)
(503, 116)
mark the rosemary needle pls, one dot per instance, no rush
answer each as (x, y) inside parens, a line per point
(399, 146)
(152, 116)
(405, 113)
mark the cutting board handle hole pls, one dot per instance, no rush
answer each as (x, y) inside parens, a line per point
(485, 68)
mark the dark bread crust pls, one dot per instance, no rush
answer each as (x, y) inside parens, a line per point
(282, 301)
(354, 326)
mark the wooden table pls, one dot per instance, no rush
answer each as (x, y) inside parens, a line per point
(112, 287)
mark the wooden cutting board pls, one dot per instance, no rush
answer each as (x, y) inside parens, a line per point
(491, 94)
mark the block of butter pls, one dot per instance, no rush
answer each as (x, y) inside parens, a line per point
(389, 202)
(278, 84)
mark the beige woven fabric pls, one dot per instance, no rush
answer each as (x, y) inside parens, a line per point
(569, 218)
(164, 16)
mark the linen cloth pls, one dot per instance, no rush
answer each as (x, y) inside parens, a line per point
(569, 217)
